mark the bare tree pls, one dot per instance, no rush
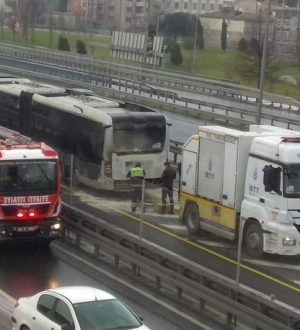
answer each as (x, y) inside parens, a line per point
(24, 14)
(11, 23)
(250, 60)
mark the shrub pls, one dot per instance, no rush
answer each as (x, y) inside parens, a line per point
(63, 44)
(243, 45)
(176, 56)
(80, 47)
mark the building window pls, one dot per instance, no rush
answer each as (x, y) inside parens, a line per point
(212, 6)
(176, 5)
(139, 10)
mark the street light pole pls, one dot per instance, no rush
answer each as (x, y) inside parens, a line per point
(263, 66)
(142, 210)
(195, 44)
(238, 264)
(157, 24)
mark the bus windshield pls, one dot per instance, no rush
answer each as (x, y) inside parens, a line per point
(139, 133)
(28, 177)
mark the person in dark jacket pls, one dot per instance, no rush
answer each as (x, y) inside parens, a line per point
(167, 177)
(136, 175)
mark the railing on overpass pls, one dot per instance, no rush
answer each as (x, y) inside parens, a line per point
(183, 283)
(197, 109)
(176, 150)
(160, 78)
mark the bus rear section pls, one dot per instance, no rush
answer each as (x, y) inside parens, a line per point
(30, 198)
(131, 137)
(138, 137)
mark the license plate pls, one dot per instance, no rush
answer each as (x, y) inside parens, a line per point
(25, 229)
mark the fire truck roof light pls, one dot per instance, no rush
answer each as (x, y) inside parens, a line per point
(48, 152)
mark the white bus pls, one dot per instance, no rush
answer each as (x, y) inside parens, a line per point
(105, 137)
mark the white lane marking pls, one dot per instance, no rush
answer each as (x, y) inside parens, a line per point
(160, 215)
(217, 244)
(174, 227)
(273, 264)
(208, 243)
(134, 288)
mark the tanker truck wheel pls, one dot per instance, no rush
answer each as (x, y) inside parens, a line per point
(254, 240)
(192, 219)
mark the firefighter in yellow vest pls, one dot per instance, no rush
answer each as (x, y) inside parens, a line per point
(136, 175)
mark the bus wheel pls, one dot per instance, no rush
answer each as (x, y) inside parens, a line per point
(192, 220)
(254, 240)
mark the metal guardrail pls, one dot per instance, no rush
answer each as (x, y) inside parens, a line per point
(168, 272)
(176, 149)
(159, 78)
(133, 92)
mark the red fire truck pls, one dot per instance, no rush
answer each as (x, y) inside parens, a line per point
(30, 193)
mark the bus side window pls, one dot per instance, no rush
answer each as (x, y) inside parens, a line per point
(9, 106)
(39, 120)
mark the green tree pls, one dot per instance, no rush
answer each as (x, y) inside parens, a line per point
(175, 54)
(80, 47)
(63, 43)
(200, 41)
(199, 33)
(178, 24)
(224, 35)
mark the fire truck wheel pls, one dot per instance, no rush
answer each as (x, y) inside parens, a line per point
(254, 240)
(192, 219)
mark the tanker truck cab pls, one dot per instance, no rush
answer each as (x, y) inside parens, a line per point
(233, 180)
(271, 206)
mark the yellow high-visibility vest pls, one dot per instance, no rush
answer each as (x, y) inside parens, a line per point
(137, 172)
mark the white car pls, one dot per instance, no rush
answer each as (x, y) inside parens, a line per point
(74, 308)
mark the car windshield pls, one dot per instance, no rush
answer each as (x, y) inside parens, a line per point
(105, 315)
(292, 181)
(27, 177)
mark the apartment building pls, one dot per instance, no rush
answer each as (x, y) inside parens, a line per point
(287, 30)
(125, 15)
(194, 6)
(86, 10)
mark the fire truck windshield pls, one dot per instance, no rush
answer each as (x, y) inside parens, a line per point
(28, 177)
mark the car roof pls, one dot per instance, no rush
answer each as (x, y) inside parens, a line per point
(80, 294)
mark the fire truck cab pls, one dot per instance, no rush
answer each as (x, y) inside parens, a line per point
(30, 193)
